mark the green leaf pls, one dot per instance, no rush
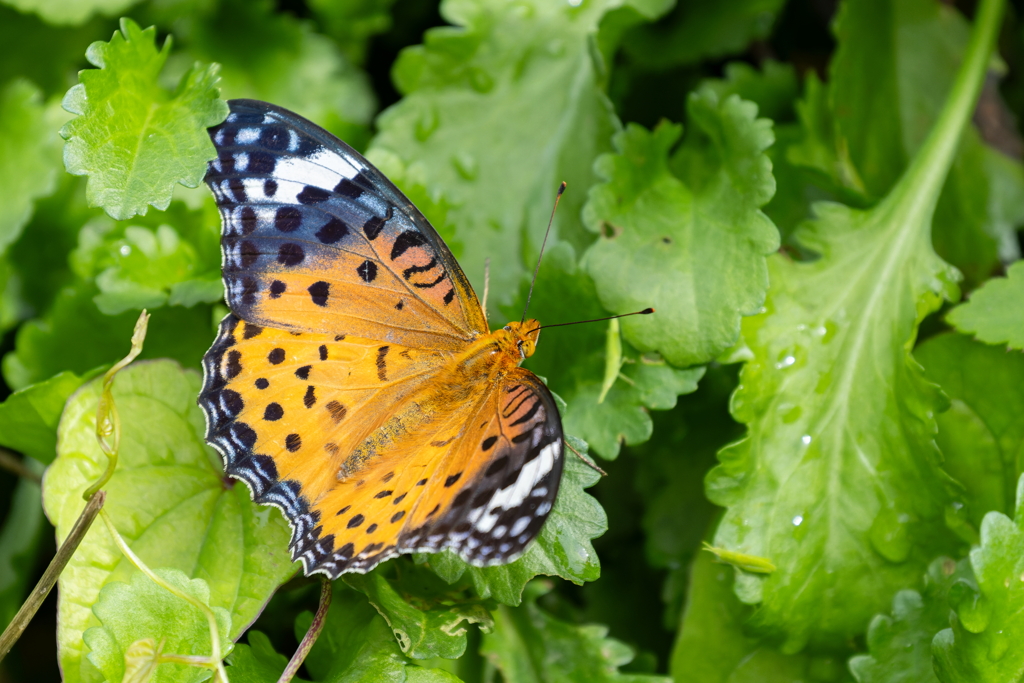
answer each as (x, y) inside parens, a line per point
(351, 24)
(497, 109)
(562, 549)
(70, 12)
(565, 293)
(838, 481)
(146, 269)
(773, 89)
(75, 336)
(900, 645)
(257, 661)
(20, 538)
(28, 418)
(981, 436)
(44, 54)
(893, 68)
(685, 234)
(427, 624)
(980, 646)
(530, 646)
(29, 155)
(355, 645)
(994, 313)
(695, 31)
(129, 612)
(272, 56)
(712, 646)
(169, 500)
(132, 138)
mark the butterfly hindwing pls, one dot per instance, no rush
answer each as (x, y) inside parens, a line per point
(298, 417)
(316, 239)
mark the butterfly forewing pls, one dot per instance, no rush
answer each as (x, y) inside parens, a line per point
(316, 239)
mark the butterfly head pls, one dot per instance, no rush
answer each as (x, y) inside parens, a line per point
(522, 337)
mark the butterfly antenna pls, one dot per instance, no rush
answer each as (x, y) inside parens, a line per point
(646, 311)
(487, 283)
(558, 197)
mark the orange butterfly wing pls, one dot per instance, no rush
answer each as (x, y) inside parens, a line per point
(316, 239)
(334, 391)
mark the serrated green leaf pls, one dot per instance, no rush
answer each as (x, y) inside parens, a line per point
(169, 500)
(981, 436)
(981, 645)
(75, 336)
(257, 661)
(683, 232)
(272, 56)
(839, 479)
(29, 155)
(70, 12)
(132, 138)
(694, 31)
(130, 612)
(28, 418)
(894, 65)
(900, 645)
(565, 293)
(562, 549)
(20, 538)
(994, 313)
(146, 269)
(496, 111)
(425, 626)
(530, 646)
(773, 88)
(355, 644)
(713, 647)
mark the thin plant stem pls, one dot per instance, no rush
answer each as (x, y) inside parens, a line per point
(108, 424)
(311, 635)
(67, 549)
(214, 661)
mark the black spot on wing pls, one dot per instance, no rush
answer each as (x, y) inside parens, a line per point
(405, 241)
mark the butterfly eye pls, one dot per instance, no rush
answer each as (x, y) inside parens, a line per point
(507, 328)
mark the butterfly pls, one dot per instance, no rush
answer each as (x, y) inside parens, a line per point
(356, 384)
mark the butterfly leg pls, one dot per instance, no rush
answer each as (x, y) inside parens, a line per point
(586, 461)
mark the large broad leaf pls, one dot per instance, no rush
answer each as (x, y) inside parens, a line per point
(528, 645)
(981, 436)
(496, 111)
(900, 646)
(169, 500)
(893, 68)
(141, 610)
(562, 549)
(838, 481)
(132, 138)
(684, 232)
(982, 643)
(713, 646)
(29, 155)
(995, 312)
